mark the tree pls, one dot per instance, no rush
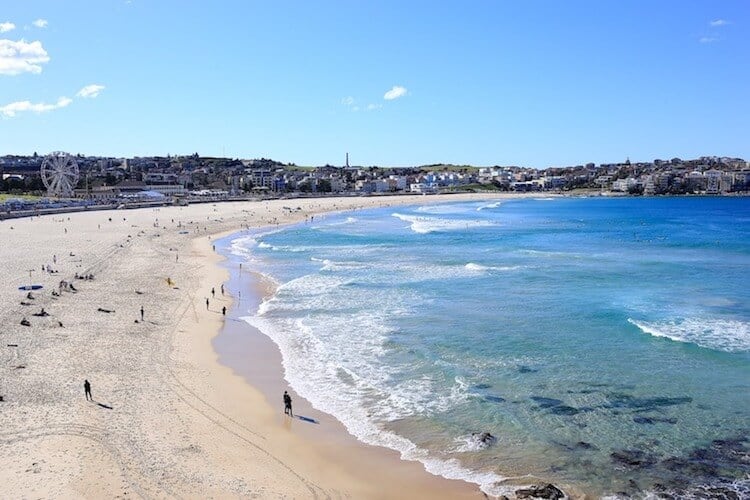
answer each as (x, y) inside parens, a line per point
(635, 189)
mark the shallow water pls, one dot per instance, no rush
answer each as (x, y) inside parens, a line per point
(605, 343)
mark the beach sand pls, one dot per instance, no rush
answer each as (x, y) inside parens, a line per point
(167, 420)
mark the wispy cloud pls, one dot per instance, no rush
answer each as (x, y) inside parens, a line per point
(373, 107)
(90, 91)
(350, 103)
(21, 57)
(707, 39)
(396, 92)
(12, 109)
(7, 26)
(718, 22)
(40, 23)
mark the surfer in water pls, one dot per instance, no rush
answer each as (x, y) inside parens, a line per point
(288, 404)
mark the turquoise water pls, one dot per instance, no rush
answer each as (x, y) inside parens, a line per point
(605, 343)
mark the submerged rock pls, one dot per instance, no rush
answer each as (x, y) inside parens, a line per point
(494, 399)
(636, 459)
(546, 402)
(620, 400)
(654, 420)
(549, 491)
(564, 410)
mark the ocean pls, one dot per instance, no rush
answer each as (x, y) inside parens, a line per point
(603, 343)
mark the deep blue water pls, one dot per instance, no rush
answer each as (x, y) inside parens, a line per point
(605, 343)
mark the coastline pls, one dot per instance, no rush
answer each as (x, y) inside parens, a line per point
(170, 420)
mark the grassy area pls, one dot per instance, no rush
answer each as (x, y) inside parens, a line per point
(26, 197)
(474, 188)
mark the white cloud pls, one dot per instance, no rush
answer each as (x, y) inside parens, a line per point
(718, 22)
(707, 39)
(373, 107)
(40, 23)
(21, 57)
(90, 91)
(347, 101)
(5, 27)
(395, 93)
(12, 109)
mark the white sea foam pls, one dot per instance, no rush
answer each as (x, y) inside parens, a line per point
(333, 360)
(471, 266)
(491, 205)
(718, 334)
(424, 225)
(348, 220)
(443, 209)
(544, 253)
(544, 199)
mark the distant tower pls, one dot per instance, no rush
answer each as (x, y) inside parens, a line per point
(347, 160)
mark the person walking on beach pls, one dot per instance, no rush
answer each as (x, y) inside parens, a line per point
(206, 303)
(213, 292)
(141, 314)
(288, 404)
(222, 288)
(87, 390)
(224, 311)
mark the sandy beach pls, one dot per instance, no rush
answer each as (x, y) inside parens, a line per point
(167, 418)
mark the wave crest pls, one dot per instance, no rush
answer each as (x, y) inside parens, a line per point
(717, 334)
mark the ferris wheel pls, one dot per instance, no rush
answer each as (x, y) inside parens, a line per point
(59, 174)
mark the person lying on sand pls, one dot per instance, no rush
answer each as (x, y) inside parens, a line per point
(101, 309)
(25, 322)
(42, 313)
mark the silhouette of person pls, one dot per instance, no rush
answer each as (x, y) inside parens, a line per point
(222, 288)
(87, 390)
(213, 292)
(288, 404)
(224, 310)
(206, 303)
(141, 313)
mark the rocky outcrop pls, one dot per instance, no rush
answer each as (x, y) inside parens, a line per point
(548, 491)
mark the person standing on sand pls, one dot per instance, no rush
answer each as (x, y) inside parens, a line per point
(222, 288)
(141, 313)
(87, 390)
(288, 404)
(224, 311)
(206, 303)
(213, 292)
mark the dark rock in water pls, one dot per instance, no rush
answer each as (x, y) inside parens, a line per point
(636, 459)
(555, 406)
(620, 400)
(548, 491)
(482, 386)
(526, 369)
(564, 410)
(546, 402)
(485, 438)
(654, 420)
(494, 399)
(583, 445)
(693, 468)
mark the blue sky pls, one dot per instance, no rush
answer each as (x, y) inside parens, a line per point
(394, 83)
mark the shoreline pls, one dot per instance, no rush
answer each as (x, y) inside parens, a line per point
(169, 419)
